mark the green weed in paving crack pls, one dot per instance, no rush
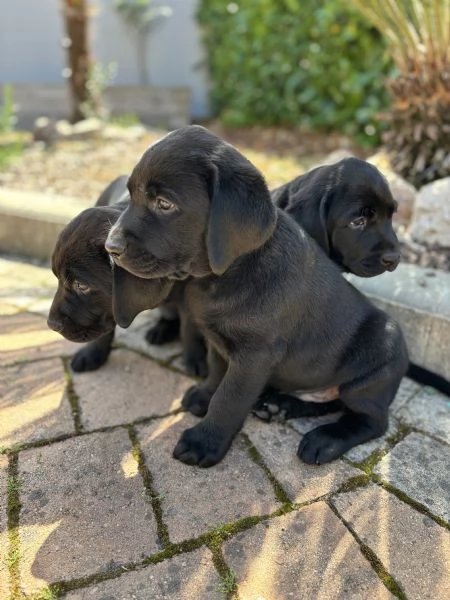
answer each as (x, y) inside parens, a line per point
(228, 585)
(46, 594)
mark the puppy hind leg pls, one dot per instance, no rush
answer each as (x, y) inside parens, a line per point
(194, 347)
(92, 356)
(197, 398)
(163, 332)
(365, 417)
(278, 406)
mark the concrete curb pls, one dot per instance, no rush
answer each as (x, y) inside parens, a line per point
(418, 298)
(30, 223)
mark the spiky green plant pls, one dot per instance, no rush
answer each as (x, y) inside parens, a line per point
(418, 36)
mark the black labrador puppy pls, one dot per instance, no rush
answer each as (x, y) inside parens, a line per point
(347, 208)
(82, 307)
(273, 308)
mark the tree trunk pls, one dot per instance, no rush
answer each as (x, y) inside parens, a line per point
(141, 57)
(75, 23)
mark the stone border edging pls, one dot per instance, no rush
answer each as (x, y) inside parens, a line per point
(418, 298)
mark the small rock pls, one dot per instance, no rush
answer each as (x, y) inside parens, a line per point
(44, 130)
(131, 134)
(403, 192)
(86, 129)
(64, 128)
(381, 161)
(83, 130)
(430, 223)
(405, 195)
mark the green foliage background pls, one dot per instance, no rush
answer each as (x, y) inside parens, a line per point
(313, 63)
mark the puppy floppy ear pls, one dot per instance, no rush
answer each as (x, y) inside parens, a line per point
(311, 201)
(323, 218)
(131, 295)
(242, 215)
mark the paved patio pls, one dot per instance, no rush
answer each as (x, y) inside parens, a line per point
(92, 505)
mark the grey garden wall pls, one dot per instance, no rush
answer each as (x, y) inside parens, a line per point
(31, 51)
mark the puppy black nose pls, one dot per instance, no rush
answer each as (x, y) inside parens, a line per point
(390, 260)
(115, 246)
(55, 324)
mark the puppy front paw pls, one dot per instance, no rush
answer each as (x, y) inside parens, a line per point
(201, 446)
(196, 400)
(165, 331)
(89, 358)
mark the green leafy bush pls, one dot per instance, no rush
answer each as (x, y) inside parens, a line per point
(314, 63)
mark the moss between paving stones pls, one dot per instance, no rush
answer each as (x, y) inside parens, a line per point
(154, 499)
(72, 396)
(407, 500)
(367, 465)
(373, 559)
(256, 457)
(352, 484)
(13, 510)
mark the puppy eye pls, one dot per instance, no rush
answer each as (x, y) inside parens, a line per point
(358, 223)
(163, 204)
(369, 212)
(81, 287)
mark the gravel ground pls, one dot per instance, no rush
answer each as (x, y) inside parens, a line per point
(82, 169)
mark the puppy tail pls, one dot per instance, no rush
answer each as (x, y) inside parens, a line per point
(425, 377)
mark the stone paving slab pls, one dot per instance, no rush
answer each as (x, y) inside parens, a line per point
(134, 337)
(83, 509)
(26, 337)
(407, 390)
(429, 411)
(33, 402)
(26, 286)
(126, 388)
(187, 577)
(4, 575)
(195, 500)
(303, 555)
(392, 529)
(278, 445)
(418, 466)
